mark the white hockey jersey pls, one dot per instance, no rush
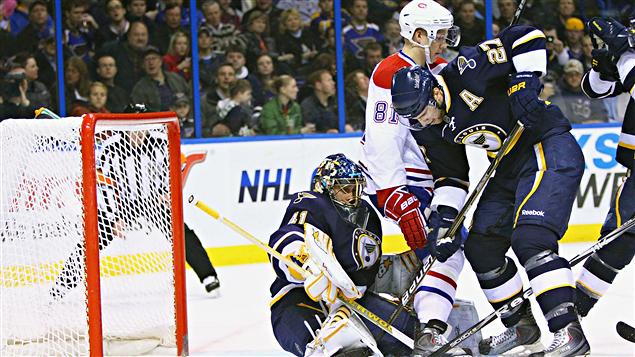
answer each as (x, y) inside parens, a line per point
(390, 156)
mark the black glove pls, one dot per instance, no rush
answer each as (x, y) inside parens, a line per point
(524, 88)
(603, 64)
(613, 33)
(440, 221)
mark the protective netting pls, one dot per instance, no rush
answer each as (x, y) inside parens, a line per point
(42, 278)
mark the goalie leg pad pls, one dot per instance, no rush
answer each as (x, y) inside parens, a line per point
(342, 331)
(288, 316)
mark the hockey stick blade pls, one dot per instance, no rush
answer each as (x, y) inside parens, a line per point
(527, 293)
(625, 331)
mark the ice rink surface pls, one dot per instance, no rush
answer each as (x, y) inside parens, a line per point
(237, 323)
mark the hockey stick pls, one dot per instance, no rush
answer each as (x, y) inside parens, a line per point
(460, 217)
(352, 304)
(527, 293)
(625, 331)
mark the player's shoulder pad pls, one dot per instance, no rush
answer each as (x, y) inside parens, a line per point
(382, 76)
(519, 35)
(307, 200)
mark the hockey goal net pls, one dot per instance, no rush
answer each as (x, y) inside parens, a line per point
(92, 256)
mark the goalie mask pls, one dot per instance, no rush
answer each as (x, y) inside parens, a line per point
(344, 182)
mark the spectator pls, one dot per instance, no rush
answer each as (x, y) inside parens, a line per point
(319, 108)
(229, 14)
(80, 28)
(305, 8)
(549, 87)
(574, 33)
(235, 111)
(178, 59)
(254, 38)
(372, 56)
(573, 102)
(587, 58)
(322, 21)
(157, 89)
(472, 29)
(77, 83)
(392, 36)
(225, 77)
(181, 106)
(507, 9)
(225, 35)
(360, 31)
(557, 56)
(295, 46)
(496, 29)
(356, 84)
(272, 12)
(161, 16)
(137, 12)
(282, 115)
(117, 26)
(38, 28)
(98, 96)
(19, 19)
(129, 55)
(14, 103)
(106, 73)
(265, 72)
(236, 57)
(46, 62)
(36, 92)
(209, 60)
(566, 9)
(167, 29)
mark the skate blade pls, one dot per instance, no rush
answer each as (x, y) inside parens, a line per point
(525, 350)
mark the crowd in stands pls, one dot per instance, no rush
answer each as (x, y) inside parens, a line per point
(266, 67)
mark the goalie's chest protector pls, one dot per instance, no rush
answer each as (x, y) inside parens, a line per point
(357, 248)
(478, 111)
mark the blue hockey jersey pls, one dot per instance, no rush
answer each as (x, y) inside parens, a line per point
(475, 85)
(357, 246)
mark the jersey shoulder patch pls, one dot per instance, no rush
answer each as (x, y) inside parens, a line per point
(366, 248)
(382, 76)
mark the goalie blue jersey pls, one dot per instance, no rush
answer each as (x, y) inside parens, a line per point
(357, 246)
(475, 85)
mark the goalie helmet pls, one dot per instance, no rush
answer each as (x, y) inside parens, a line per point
(430, 16)
(336, 174)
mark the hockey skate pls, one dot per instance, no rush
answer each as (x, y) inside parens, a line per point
(430, 338)
(568, 341)
(521, 339)
(212, 286)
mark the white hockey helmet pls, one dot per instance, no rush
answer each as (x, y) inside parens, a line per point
(430, 16)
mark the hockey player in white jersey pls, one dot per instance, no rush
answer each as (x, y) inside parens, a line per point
(400, 182)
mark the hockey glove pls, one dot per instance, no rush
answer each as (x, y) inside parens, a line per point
(524, 88)
(603, 64)
(403, 207)
(440, 221)
(319, 287)
(613, 33)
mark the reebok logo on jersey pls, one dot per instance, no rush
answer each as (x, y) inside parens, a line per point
(533, 212)
(516, 88)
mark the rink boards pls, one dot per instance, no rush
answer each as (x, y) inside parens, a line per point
(250, 183)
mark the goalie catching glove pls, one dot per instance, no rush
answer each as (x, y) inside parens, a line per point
(404, 208)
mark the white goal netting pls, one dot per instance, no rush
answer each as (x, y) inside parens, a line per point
(43, 280)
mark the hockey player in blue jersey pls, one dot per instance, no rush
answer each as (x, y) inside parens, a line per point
(476, 100)
(613, 73)
(334, 207)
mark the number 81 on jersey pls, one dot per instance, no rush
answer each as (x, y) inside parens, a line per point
(383, 111)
